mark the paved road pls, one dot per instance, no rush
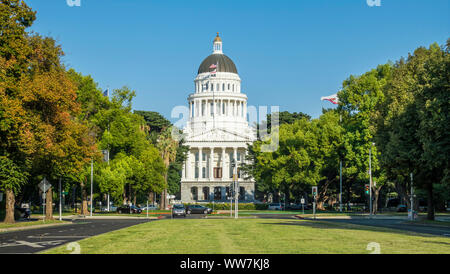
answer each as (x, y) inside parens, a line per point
(38, 239)
(396, 224)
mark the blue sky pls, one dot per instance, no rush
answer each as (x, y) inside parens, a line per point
(288, 53)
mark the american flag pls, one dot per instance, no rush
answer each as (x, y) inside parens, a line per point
(214, 67)
(106, 93)
(332, 98)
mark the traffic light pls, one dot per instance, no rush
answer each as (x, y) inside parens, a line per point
(314, 191)
(366, 188)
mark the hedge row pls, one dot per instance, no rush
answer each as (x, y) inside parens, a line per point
(242, 206)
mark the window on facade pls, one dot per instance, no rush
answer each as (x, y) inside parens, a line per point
(203, 109)
(194, 193)
(223, 87)
(203, 156)
(212, 109)
(238, 156)
(212, 87)
(239, 172)
(196, 156)
(196, 172)
(206, 193)
(228, 86)
(217, 172)
(217, 193)
(223, 108)
(217, 87)
(241, 193)
(203, 172)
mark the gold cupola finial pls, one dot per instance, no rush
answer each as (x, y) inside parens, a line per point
(217, 39)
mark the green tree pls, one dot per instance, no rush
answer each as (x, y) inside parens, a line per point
(359, 103)
(16, 136)
(167, 147)
(414, 130)
(305, 147)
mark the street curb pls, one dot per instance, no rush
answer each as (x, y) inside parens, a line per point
(4, 230)
(351, 218)
(112, 218)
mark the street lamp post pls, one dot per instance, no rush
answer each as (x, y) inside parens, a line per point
(340, 174)
(370, 179)
(340, 185)
(60, 200)
(412, 198)
(92, 182)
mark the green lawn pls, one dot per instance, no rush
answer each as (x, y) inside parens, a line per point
(229, 236)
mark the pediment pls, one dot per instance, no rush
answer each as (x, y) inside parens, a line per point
(220, 135)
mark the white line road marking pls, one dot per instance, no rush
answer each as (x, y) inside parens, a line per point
(39, 237)
(34, 245)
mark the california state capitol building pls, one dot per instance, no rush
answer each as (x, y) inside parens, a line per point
(217, 131)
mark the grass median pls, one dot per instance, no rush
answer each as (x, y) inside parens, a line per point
(263, 236)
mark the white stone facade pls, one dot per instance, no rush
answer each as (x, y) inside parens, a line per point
(217, 131)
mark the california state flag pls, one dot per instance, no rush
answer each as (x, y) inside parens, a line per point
(332, 98)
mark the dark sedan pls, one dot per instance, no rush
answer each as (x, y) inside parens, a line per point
(129, 209)
(192, 209)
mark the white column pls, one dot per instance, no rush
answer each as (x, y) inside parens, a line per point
(245, 110)
(187, 166)
(239, 108)
(225, 174)
(211, 164)
(235, 158)
(200, 162)
(197, 108)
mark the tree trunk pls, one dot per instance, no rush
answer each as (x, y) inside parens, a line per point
(49, 204)
(376, 195)
(125, 195)
(430, 207)
(10, 201)
(150, 198)
(84, 206)
(164, 200)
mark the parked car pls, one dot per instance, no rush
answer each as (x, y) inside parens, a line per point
(179, 210)
(22, 212)
(294, 207)
(150, 207)
(275, 206)
(198, 209)
(129, 209)
(402, 208)
(111, 208)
